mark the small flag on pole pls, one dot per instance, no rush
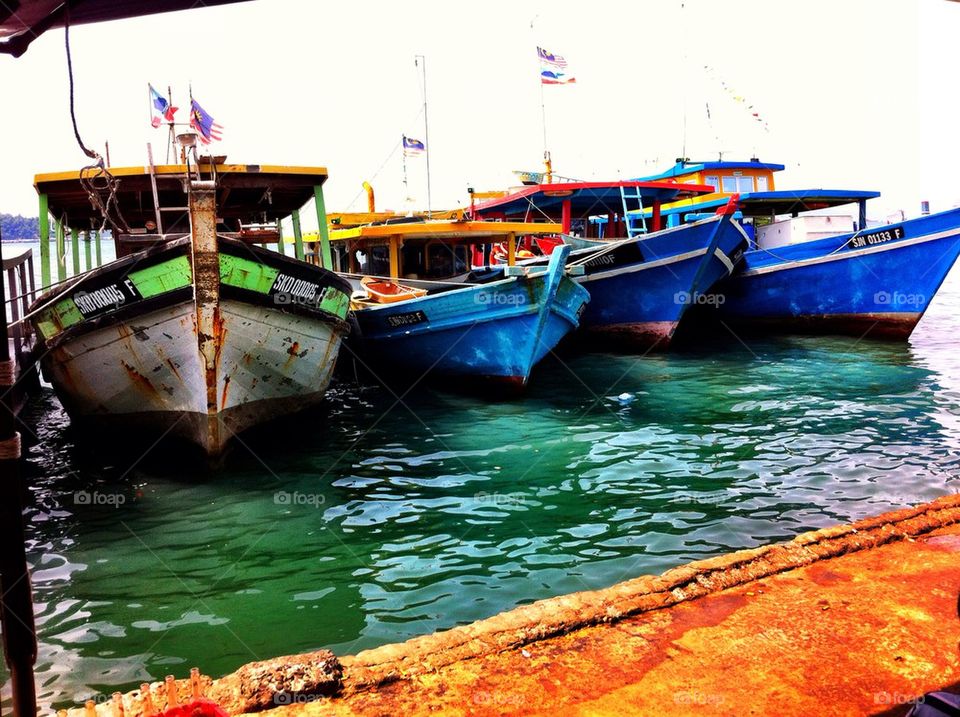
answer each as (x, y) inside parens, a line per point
(553, 69)
(202, 121)
(159, 104)
(412, 147)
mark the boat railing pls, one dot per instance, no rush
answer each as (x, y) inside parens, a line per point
(21, 292)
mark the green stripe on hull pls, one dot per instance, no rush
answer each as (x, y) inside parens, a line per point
(176, 274)
(150, 281)
(253, 276)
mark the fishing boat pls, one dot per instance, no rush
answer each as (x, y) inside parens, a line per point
(815, 263)
(641, 277)
(421, 310)
(197, 331)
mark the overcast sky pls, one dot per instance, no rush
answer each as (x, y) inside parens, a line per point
(855, 94)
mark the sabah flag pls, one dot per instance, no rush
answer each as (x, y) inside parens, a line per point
(160, 105)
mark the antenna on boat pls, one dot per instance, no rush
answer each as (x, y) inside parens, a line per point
(421, 61)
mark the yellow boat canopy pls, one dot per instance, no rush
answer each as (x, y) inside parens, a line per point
(246, 192)
(470, 232)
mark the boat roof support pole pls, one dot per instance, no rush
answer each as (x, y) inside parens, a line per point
(87, 251)
(297, 235)
(863, 215)
(566, 219)
(96, 236)
(655, 216)
(280, 248)
(16, 599)
(395, 256)
(44, 242)
(61, 250)
(75, 250)
(511, 249)
(326, 258)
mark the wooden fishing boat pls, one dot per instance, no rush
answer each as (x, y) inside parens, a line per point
(642, 278)
(478, 328)
(194, 332)
(817, 272)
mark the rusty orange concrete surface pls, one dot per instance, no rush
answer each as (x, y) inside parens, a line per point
(849, 620)
(862, 633)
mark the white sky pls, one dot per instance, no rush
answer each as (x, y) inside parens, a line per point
(857, 94)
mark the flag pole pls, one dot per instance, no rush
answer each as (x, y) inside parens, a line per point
(406, 189)
(426, 131)
(171, 137)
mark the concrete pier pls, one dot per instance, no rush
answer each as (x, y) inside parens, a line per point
(851, 620)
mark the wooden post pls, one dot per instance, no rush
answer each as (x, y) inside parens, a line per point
(298, 236)
(326, 258)
(565, 216)
(97, 242)
(395, 256)
(511, 249)
(61, 250)
(280, 248)
(44, 242)
(87, 249)
(75, 250)
(16, 600)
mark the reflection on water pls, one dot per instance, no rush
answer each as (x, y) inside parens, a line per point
(372, 521)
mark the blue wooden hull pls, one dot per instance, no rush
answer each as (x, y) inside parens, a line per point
(495, 332)
(877, 282)
(640, 292)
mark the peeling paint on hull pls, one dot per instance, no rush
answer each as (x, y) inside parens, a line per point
(109, 377)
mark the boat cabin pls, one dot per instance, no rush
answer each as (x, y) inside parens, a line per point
(145, 206)
(426, 250)
(770, 217)
(589, 210)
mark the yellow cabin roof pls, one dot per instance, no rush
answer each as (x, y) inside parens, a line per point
(475, 231)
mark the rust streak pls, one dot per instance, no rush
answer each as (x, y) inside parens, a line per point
(140, 380)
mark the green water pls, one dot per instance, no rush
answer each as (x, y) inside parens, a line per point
(375, 520)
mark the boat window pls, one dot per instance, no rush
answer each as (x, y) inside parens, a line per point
(378, 261)
(744, 184)
(713, 180)
(444, 261)
(729, 185)
(761, 184)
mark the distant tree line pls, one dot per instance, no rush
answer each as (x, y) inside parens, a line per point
(13, 226)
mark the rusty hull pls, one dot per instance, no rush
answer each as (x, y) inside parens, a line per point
(850, 620)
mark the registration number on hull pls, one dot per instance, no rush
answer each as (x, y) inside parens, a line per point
(878, 237)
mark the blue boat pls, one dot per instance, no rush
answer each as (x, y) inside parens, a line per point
(421, 311)
(819, 272)
(642, 278)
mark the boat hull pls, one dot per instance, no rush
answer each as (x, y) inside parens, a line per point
(487, 334)
(876, 284)
(137, 366)
(640, 294)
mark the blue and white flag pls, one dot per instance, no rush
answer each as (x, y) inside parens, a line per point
(413, 147)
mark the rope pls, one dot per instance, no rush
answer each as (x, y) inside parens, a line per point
(10, 448)
(90, 184)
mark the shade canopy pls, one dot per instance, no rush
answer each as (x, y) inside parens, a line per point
(586, 198)
(23, 21)
(245, 192)
(790, 201)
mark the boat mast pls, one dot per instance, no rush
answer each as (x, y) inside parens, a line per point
(421, 61)
(406, 188)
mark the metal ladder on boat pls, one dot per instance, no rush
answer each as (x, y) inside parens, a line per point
(633, 215)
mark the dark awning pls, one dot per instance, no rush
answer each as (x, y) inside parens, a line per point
(23, 21)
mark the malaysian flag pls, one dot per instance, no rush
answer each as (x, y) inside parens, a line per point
(553, 69)
(202, 121)
(413, 147)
